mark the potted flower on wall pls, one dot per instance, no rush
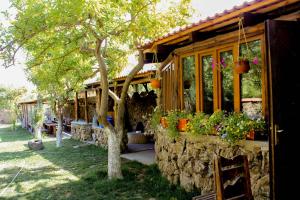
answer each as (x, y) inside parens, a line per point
(235, 127)
(215, 122)
(257, 129)
(198, 124)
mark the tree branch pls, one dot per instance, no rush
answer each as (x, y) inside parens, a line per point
(114, 96)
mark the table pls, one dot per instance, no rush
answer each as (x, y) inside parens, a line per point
(51, 127)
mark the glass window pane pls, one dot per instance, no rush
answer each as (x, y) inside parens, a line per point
(226, 63)
(251, 82)
(189, 87)
(207, 80)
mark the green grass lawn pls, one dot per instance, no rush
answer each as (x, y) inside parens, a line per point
(73, 173)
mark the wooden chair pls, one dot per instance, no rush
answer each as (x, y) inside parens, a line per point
(232, 180)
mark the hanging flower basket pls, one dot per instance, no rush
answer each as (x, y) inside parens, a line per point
(242, 66)
(155, 83)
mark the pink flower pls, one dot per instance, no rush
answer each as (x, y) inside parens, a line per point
(255, 61)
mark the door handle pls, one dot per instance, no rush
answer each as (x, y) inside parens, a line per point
(278, 132)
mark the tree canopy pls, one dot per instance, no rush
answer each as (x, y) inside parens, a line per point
(90, 36)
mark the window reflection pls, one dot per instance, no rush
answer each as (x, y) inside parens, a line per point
(225, 65)
(207, 81)
(251, 82)
(189, 89)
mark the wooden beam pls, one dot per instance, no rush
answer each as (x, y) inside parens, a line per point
(76, 107)
(85, 107)
(250, 19)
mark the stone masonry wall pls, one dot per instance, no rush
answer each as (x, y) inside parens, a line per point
(100, 137)
(81, 131)
(85, 132)
(189, 161)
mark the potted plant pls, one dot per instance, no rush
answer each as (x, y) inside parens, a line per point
(198, 124)
(155, 118)
(215, 122)
(257, 129)
(235, 127)
(172, 120)
(155, 83)
(183, 119)
(242, 64)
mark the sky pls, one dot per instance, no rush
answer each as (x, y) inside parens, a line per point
(16, 77)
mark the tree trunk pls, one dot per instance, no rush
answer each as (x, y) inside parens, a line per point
(59, 128)
(114, 152)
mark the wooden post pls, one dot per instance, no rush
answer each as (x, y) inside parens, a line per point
(85, 107)
(76, 106)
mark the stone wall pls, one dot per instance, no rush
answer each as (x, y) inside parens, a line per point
(100, 137)
(86, 132)
(140, 107)
(189, 161)
(81, 131)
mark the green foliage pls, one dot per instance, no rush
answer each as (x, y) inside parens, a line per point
(215, 121)
(236, 126)
(155, 118)
(198, 124)
(9, 99)
(172, 120)
(37, 116)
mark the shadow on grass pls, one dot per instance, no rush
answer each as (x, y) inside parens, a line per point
(8, 135)
(140, 182)
(89, 164)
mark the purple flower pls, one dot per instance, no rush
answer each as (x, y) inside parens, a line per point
(255, 61)
(223, 63)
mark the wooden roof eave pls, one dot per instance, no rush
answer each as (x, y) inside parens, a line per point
(233, 17)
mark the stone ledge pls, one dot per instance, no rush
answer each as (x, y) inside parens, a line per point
(188, 161)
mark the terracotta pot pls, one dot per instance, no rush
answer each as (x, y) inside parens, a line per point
(250, 135)
(155, 83)
(181, 126)
(242, 66)
(164, 122)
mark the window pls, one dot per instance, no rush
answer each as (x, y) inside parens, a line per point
(189, 86)
(251, 82)
(226, 66)
(207, 83)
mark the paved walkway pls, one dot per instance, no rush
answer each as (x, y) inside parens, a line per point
(146, 157)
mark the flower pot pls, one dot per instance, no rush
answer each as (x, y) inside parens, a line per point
(250, 135)
(164, 122)
(242, 66)
(181, 126)
(155, 83)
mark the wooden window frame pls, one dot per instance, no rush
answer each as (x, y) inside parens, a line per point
(217, 91)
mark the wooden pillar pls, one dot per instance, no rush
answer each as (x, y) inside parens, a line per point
(76, 106)
(85, 107)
